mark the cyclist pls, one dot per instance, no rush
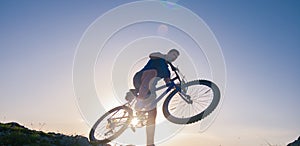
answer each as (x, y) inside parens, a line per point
(145, 80)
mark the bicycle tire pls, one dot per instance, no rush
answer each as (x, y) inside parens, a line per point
(195, 117)
(92, 135)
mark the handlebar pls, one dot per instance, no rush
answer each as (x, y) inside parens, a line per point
(175, 70)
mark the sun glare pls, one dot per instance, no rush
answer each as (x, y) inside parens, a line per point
(134, 121)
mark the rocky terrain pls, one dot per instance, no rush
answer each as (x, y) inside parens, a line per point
(295, 143)
(13, 134)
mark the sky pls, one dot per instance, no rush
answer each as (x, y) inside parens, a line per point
(259, 41)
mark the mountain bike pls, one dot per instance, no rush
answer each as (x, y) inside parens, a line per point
(186, 103)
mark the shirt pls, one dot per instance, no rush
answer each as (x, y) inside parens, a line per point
(160, 65)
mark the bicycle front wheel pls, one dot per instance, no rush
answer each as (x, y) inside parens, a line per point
(203, 97)
(111, 125)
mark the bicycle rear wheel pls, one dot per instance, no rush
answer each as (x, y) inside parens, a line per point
(110, 125)
(204, 96)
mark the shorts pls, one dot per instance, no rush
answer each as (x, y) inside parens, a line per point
(137, 80)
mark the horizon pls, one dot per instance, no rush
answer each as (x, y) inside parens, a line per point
(259, 41)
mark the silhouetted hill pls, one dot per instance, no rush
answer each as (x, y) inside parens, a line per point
(14, 134)
(295, 143)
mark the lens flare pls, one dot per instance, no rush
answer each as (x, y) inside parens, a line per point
(134, 121)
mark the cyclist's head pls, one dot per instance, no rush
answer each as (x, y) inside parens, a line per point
(172, 55)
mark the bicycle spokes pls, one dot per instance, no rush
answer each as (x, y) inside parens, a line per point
(113, 124)
(194, 100)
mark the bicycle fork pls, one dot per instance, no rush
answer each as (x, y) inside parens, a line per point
(183, 95)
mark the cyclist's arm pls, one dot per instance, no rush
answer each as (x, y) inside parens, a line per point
(157, 55)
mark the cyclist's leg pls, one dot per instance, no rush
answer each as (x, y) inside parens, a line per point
(150, 127)
(146, 78)
(137, 81)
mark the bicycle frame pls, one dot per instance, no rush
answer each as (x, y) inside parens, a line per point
(134, 113)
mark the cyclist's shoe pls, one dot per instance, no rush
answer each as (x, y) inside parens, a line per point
(130, 96)
(134, 91)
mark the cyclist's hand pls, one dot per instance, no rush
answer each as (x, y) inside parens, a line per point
(167, 80)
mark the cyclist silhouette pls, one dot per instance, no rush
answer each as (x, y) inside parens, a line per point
(186, 102)
(144, 82)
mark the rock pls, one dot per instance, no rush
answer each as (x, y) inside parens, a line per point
(295, 143)
(82, 140)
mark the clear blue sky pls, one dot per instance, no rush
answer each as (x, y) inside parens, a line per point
(259, 40)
